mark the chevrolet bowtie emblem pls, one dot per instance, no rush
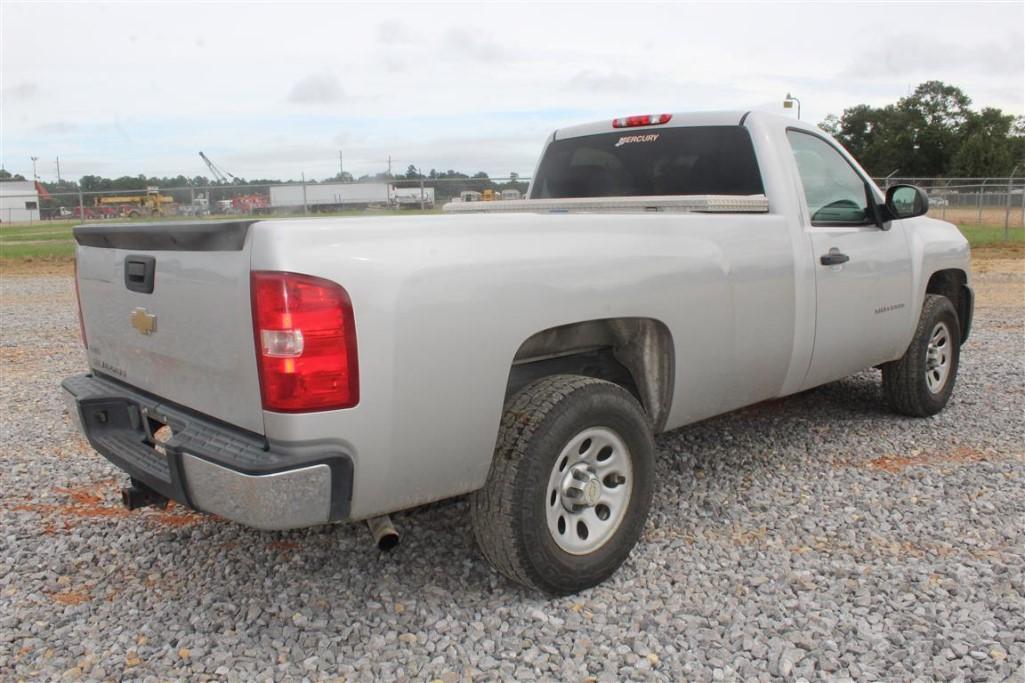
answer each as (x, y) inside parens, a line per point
(143, 321)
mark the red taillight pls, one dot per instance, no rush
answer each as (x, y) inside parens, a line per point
(644, 120)
(305, 343)
(78, 299)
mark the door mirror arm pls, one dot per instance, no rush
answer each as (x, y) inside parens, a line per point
(877, 210)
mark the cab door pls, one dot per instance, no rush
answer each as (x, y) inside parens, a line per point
(862, 274)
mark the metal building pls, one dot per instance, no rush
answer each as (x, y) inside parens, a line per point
(19, 201)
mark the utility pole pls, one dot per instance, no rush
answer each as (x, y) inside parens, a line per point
(420, 173)
(35, 177)
(389, 164)
(306, 209)
(341, 168)
(1007, 211)
(59, 169)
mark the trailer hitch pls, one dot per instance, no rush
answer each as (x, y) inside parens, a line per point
(138, 495)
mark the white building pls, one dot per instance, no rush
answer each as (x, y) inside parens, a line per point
(19, 201)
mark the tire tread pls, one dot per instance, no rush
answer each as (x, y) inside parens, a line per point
(902, 379)
(493, 512)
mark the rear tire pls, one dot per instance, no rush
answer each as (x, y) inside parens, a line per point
(920, 383)
(575, 449)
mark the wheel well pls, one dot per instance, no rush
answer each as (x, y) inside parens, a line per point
(636, 353)
(951, 284)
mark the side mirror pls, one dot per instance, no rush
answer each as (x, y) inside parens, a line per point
(906, 201)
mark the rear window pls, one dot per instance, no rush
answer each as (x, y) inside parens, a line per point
(641, 162)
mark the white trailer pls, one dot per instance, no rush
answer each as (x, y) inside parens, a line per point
(414, 196)
(327, 196)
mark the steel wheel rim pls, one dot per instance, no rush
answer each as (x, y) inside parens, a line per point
(938, 358)
(589, 490)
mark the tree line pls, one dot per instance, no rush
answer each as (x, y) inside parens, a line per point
(447, 179)
(932, 132)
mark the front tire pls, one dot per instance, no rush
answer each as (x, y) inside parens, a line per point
(570, 484)
(920, 383)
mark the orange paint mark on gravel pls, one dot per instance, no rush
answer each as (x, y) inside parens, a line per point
(895, 464)
(91, 511)
(182, 518)
(70, 597)
(175, 515)
(69, 510)
(86, 502)
(80, 496)
(283, 545)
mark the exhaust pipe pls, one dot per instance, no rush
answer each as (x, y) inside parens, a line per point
(385, 536)
(139, 495)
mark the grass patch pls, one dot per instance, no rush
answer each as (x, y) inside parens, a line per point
(54, 249)
(37, 241)
(991, 235)
(36, 236)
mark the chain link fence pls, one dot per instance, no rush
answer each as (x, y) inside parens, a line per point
(996, 202)
(20, 203)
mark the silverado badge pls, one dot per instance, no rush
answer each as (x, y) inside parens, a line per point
(143, 321)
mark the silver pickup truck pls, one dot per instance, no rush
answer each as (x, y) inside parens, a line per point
(663, 269)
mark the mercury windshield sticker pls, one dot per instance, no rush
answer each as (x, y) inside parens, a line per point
(627, 139)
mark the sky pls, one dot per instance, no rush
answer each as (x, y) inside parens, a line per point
(276, 90)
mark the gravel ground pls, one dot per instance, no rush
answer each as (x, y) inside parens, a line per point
(817, 537)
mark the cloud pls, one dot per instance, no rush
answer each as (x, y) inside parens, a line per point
(394, 32)
(317, 89)
(294, 154)
(56, 128)
(460, 44)
(592, 81)
(908, 55)
(23, 90)
(393, 65)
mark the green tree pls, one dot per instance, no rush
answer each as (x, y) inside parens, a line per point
(932, 132)
(877, 137)
(985, 149)
(935, 114)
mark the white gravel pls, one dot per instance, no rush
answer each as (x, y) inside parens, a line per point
(818, 537)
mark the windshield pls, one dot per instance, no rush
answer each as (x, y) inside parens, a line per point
(649, 161)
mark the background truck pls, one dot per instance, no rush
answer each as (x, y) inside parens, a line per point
(323, 197)
(663, 269)
(150, 203)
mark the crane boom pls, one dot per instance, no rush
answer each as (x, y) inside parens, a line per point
(219, 174)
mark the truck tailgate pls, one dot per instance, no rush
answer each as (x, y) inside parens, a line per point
(166, 309)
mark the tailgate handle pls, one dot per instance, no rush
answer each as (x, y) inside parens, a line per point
(139, 273)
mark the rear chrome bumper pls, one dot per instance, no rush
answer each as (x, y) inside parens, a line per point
(209, 466)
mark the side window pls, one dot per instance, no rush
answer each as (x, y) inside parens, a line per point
(834, 191)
